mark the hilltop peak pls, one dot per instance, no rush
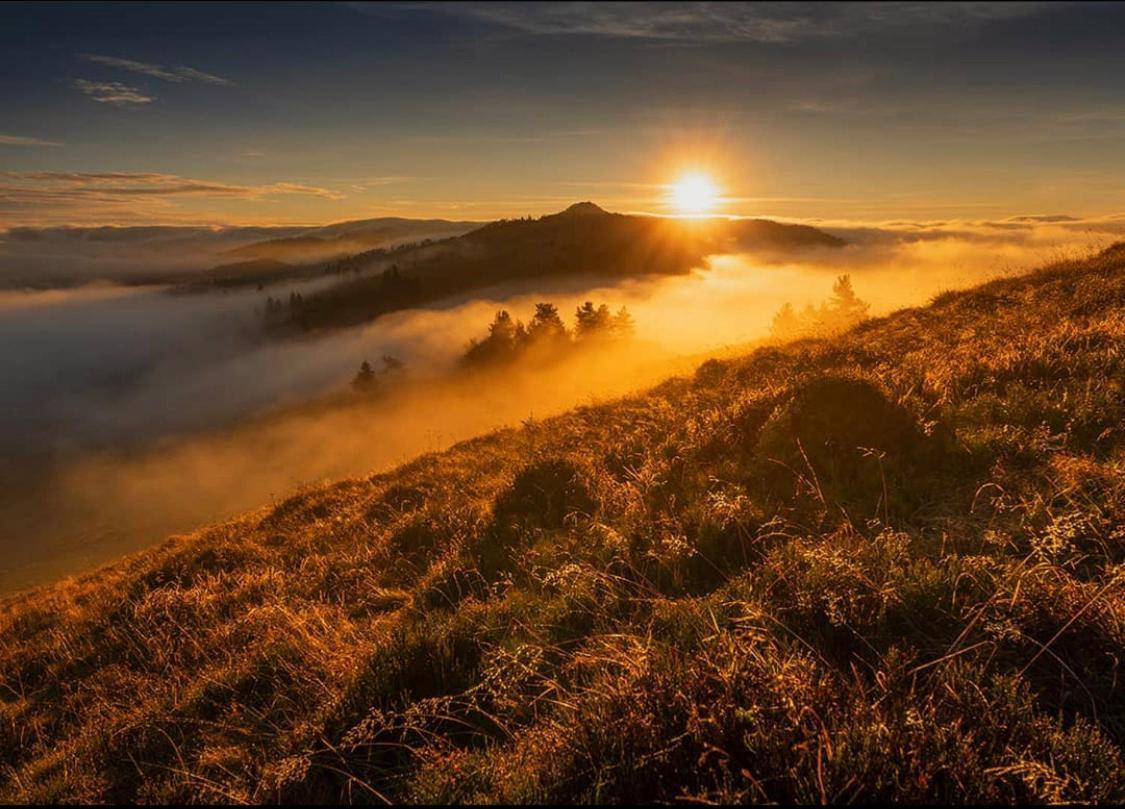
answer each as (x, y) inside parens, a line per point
(582, 209)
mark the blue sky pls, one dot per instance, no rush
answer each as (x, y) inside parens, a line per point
(302, 113)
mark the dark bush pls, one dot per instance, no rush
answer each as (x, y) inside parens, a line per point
(544, 494)
(840, 440)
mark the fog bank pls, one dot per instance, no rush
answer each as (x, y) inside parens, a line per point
(130, 413)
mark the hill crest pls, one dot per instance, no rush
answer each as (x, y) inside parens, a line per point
(585, 208)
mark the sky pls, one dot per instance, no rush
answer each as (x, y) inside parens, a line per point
(302, 113)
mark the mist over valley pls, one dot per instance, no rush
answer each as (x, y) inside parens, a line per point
(562, 403)
(139, 410)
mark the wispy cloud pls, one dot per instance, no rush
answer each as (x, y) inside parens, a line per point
(81, 192)
(178, 74)
(718, 22)
(191, 74)
(113, 92)
(19, 140)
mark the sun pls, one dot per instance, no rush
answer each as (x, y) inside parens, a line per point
(694, 194)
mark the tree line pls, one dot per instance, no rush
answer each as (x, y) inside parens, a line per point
(369, 297)
(368, 381)
(545, 337)
(839, 313)
(546, 334)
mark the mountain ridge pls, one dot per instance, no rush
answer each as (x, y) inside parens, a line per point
(42, 257)
(581, 240)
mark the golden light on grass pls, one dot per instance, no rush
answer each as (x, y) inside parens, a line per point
(694, 194)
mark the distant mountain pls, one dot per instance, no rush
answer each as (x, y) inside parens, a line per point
(334, 241)
(65, 256)
(259, 271)
(581, 240)
(582, 209)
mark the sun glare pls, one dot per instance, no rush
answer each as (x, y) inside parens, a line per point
(694, 195)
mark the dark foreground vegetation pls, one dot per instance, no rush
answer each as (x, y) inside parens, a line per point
(884, 566)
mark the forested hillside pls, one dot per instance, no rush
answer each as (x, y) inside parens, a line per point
(582, 240)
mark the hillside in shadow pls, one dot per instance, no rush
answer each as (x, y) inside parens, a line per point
(582, 240)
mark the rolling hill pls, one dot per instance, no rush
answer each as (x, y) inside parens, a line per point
(346, 238)
(67, 256)
(581, 240)
(886, 566)
(48, 257)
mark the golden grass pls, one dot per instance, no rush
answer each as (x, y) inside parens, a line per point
(888, 566)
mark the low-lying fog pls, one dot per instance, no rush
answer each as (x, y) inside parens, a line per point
(128, 413)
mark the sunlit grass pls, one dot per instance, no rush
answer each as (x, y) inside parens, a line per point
(883, 566)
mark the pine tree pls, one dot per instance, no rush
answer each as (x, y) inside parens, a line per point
(590, 321)
(623, 326)
(847, 306)
(786, 325)
(392, 365)
(546, 323)
(364, 380)
(505, 336)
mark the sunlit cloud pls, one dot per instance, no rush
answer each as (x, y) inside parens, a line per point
(128, 184)
(86, 196)
(366, 183)
(177, 74)
(540, 136)
(113, 92)
(19, 140)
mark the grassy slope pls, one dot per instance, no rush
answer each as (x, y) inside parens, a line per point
(698, 591)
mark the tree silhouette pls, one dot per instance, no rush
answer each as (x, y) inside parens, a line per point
(504, 337)
(623, 326)
(591, 322)
(546, 336)
(546, 323)
(503, 328)
(840, 312)
(392, 365)
(786, 325)
(845, 304)
(364, 381)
